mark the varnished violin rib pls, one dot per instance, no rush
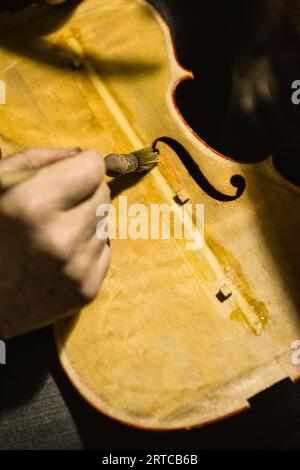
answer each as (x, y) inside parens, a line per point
(175, 338)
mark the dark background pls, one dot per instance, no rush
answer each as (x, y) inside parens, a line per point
(39, 408)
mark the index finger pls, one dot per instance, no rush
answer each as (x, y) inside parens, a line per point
(73, 180)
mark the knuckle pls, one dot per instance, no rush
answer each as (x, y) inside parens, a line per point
(76, 268)
(28, 157)
(90, 289)
(88, 292)
(91, 281)
(59, 244)
(33, 208)
(18, 204)
(96, 164)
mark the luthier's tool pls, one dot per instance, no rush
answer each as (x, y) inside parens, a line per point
(116, 165)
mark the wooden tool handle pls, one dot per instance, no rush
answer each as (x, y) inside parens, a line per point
(115, 165)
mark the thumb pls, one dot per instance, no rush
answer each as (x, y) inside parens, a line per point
(35, 158)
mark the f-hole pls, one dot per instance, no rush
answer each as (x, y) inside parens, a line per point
(237, 181)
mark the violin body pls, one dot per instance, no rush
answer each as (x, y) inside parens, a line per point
(159, 348)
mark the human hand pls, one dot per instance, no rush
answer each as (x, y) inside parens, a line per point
(51, 261)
